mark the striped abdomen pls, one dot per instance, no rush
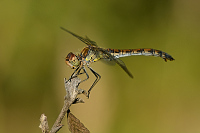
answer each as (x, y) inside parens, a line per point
(147, 52)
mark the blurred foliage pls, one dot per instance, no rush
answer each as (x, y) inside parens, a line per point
(162, 97)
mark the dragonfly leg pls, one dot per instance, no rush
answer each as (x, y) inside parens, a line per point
(84, 71)
(73, 74)
(98, 77)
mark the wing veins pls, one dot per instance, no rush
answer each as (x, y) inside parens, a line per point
(118, 61)
(85, 40)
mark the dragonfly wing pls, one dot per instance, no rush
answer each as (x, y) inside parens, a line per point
(86, 40)
(117, 60)
(108, 62)
(123, 66)
(92, 43)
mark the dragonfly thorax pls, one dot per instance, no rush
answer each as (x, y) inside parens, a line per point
(72, 60)
(90, 54)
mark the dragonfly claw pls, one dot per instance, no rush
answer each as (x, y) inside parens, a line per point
(88, 94)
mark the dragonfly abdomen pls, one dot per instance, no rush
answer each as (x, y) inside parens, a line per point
(117, 53)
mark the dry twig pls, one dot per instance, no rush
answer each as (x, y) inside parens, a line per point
(72, 91)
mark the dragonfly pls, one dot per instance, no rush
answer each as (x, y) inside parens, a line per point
(92, 53)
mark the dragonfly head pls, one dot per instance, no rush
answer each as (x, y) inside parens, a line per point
(72, 60)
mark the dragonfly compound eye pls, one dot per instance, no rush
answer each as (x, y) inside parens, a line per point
(72, 60)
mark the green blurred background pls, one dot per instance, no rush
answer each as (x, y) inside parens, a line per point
(162, 97)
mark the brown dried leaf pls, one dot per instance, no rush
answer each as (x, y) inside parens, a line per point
(75, 126)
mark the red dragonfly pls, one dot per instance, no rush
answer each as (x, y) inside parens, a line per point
(92, 53)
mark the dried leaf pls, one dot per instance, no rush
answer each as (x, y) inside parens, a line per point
(75, 126)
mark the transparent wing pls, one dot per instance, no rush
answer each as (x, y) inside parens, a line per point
(123, 66)
(86, 40)
(117, 60)
(108, 62)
